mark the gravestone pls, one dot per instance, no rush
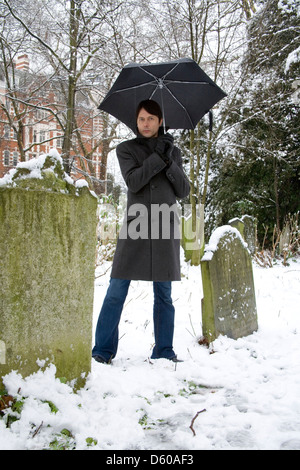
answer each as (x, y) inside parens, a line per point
(47, 252)
(250, 232)
(247, 226)
(239, 225)
(228, 305)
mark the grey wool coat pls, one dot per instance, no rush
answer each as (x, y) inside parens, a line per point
(148, 247)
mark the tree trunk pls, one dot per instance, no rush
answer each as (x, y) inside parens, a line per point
(70, 123)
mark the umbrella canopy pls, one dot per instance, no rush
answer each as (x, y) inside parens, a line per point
(182, 89)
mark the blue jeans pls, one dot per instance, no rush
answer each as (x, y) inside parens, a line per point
(107, 330)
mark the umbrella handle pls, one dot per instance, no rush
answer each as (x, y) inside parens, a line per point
(163, 110)
(210, 121)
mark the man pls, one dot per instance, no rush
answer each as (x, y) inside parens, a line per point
(152, 169)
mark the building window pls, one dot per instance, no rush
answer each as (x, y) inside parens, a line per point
(15, 158)
(42, 136)
(6, 157)
(59, 141)
(6, 132)
(41, 114)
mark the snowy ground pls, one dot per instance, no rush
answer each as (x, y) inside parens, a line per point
(249, 388)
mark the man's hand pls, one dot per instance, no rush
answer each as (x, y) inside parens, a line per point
(164, 146)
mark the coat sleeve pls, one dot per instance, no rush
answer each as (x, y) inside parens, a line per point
(177, 177)
(136, 176)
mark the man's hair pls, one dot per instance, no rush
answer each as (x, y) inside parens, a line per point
(151, 107)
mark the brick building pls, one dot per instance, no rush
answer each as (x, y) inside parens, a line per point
(30, 111)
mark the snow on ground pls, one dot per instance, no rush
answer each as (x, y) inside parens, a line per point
(248, 390)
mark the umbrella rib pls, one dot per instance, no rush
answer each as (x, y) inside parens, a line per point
(170, 71)
(180, 104)
(149, 73)
(170, 82)
(153, 93)
(134, 87)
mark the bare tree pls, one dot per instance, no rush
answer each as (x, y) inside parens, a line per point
(69, 36)
(85, 43)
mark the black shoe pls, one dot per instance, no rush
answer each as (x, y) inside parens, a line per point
(101, 360)
(172, 359)
(175, 359)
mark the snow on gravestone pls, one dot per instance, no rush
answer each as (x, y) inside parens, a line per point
(228, 305)
(47, 252)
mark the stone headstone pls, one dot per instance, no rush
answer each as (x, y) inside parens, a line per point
(284, 240)
(247, 226)
(228, 305)
(47, 252)
(239, 225)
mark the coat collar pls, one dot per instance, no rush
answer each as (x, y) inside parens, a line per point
(148, 141)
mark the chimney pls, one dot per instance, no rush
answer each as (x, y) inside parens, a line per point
(22, 62)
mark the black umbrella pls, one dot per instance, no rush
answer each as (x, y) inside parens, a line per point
(184, 92)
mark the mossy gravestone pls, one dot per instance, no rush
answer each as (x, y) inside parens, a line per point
(247, 226)
(228, 305)
(47, 252)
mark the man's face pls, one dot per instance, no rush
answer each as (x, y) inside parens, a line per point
(148, 124)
